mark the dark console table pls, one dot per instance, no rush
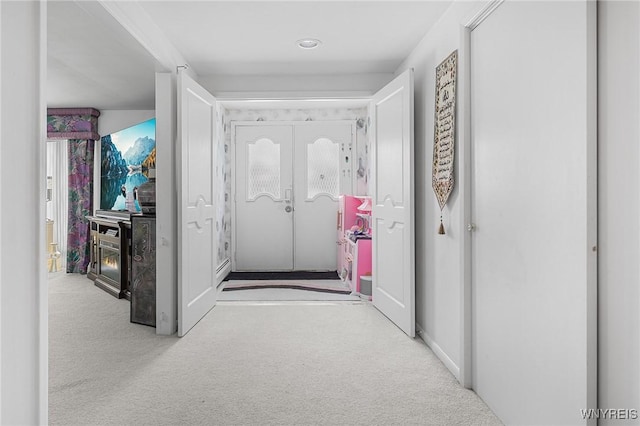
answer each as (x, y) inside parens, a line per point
(110, 261)
(123, 260)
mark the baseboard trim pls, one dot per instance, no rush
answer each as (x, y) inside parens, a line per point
(442, 356)
(223, 270)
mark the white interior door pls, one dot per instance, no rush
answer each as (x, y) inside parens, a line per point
(393, 202)
(196, 213)
(533, 203)
(317, 182)
(264, 198)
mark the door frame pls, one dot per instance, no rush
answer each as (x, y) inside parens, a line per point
(465, 155)
(233, 157)
(466, 173)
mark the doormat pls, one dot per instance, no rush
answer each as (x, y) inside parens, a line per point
(324, 286)
(293, 275)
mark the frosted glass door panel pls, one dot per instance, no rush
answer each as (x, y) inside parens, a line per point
(263, 169)
(317, 182)
(264, 211)
(323, 168)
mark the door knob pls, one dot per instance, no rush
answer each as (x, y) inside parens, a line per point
(288, 209)
(471, 227)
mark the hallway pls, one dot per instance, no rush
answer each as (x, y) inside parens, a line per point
(245, 363)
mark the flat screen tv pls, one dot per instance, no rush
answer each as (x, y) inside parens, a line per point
(125, 158)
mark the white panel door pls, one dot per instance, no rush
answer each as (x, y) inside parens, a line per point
(393, 202)
(533, 193)
(196, 213)
(264, 198)
(317, 182)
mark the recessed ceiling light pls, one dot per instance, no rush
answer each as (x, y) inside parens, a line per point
(308, 43)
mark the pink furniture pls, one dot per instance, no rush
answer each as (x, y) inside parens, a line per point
(354, 257)
(347, 205)
(359, 262)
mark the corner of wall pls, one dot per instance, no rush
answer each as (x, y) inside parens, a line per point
(167, 234)
(439, 293)
(437, 350)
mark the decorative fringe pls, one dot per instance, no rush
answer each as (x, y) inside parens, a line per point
(441, 229)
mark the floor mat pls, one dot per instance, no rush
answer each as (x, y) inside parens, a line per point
(293, 275)
(285, 294)
(324, 286)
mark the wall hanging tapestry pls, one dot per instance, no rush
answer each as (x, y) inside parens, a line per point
(444, 131)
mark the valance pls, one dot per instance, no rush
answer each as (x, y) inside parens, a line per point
(73, 123)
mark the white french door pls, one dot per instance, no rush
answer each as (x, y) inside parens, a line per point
(264, 191)
(393, 202)
(287, 179)
(317, 183)
(196, 211)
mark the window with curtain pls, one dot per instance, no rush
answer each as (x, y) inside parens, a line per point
(79, 127)
(57, 200)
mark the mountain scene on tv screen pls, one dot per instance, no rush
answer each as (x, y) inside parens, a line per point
(125, 158)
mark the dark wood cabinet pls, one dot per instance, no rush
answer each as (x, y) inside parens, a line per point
(143, 270)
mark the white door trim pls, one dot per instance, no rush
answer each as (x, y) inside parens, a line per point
(465, 156)
(232, 151)
(592, 205)
(483, 14)
(43, 288)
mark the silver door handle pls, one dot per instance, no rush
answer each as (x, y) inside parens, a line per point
(471, 227)
(288, 209)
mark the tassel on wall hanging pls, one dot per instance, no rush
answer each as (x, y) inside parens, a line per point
(444, 132)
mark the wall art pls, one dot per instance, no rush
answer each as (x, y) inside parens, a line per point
(442, 178)
(125, 158)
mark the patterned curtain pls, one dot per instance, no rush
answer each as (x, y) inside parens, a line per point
(79, 126)
(80, 203)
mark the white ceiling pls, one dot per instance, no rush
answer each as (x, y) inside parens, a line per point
(93, 61)
(259, 37)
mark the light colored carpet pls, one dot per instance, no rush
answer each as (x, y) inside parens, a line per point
(244, 364)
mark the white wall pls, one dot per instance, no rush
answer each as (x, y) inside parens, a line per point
(111, 120)
(438, 257)
(619, 205)
(294, 86)
(23, 332)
